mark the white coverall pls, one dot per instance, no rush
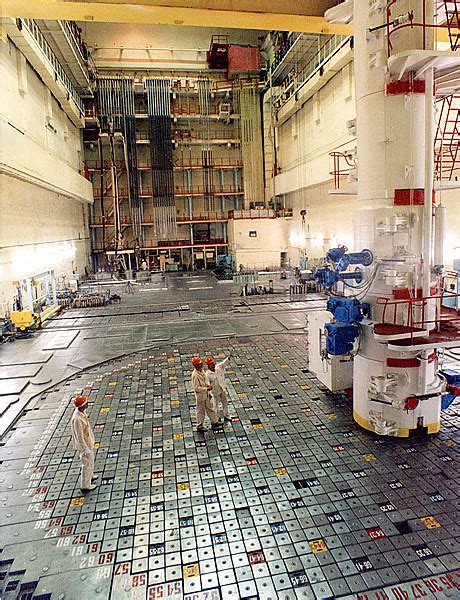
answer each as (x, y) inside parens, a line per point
(83, 441)
(204, 401)
(219, 387)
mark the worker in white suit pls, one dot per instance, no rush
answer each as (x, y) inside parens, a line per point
(204, 401)
(83, 442)
(216, 377)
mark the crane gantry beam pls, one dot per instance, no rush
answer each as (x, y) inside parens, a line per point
(289, 15)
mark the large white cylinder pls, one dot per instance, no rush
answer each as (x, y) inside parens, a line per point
(393, 219)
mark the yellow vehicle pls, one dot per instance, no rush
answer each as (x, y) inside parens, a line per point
(25, 319)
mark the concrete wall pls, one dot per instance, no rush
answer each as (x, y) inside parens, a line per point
(261, 251)
(39, 230)
(319, 127)
(328, 222)
(451, 200)
(43, 198)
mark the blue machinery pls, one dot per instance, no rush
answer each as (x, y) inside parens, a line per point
(342, 333)
(340, 260)
(348, 312)
(453, 387)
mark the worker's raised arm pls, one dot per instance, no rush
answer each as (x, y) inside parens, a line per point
(223, 363)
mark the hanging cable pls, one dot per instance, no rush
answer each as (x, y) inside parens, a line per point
(101, 187)
(161, 153)
(115, 99)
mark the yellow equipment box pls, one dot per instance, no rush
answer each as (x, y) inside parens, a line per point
(23, 319)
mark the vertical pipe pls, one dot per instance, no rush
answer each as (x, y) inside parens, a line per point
(30, 297)
(429, 175)
(101, 175)
(53, 287)
(440, 220)
(427, 212)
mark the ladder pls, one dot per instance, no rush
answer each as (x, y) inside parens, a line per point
(452, 8)
(447, 139)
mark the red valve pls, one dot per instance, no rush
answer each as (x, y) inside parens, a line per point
(411, 403)
(453, 389)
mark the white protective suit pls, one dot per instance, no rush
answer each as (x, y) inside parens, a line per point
(83, 442)
(219, 387)
(204, 401)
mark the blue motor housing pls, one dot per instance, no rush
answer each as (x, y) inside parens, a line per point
(342, 259)
(326, 277)
(335, 254)
(452, 377)
(347, 310)
(340, 337)
(446, 400)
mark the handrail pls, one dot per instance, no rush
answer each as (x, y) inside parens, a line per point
(260, 213)
(326, 52)
(217, 134)
(257, 213)
(179, 190)
(451, 17)
(206, 216)
(338, 172)
(35, 32)
(420, 304)
(216, 163)
(77, 47)
(283, 52)
(148, 218)
(200, 190)
(150, 243)
(447, 139)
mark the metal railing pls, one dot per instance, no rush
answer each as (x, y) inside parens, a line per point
(415, 313)
(283, 51)
(215, 163)
(192, 163)
(84, 57)
(204, 216)
(212, 216)
(325, 53)
(344, 165)
(152, 243)
(452, 24)
(447, 139)
(201, 190)
(179, 190)
(260, 213)
(59, 72)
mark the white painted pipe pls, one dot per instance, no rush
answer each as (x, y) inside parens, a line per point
(429, 176)
(440, 225)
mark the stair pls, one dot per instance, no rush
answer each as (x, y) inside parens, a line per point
(447, 140)
(452, 8)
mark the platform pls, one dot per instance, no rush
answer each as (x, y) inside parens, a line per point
(290, 500)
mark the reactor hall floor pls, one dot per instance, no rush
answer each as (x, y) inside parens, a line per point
(290, 500)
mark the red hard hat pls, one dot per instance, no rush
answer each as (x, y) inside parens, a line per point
(80, 401)
(196, 360)
(210, 361)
